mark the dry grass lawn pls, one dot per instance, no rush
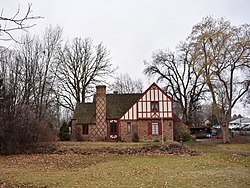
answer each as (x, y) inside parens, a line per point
(218, 166)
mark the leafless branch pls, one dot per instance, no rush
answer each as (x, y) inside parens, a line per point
(16, 23)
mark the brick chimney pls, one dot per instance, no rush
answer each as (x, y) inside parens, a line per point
(101, 123)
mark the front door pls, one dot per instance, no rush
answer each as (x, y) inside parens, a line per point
(113, 130)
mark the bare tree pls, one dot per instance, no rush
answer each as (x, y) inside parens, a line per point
(223, 54)
(15, 119)
(29, 106)
(81, 65)
(15, 23)
(51, 45)
(37, 56)
(183, 82)
(125, 84)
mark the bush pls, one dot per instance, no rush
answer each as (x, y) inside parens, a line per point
(18, 128)
(64, 132)
(185, 137)
(135, 137)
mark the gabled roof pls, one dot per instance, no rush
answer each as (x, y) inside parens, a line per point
(240, 121)
(117, 105)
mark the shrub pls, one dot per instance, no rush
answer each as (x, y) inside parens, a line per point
(18, 128)
(185, 137)
(64, 132)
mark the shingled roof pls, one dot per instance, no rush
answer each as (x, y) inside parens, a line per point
(85, 113)
(117, 105)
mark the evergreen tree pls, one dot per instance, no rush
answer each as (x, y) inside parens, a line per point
(64, 132)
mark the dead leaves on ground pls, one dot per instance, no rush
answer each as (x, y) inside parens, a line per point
(171, 149)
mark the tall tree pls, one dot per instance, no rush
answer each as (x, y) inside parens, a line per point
(176, 70)
(36, 60)
(51, 45)
(223, 54)
(81, 65)
(125, 84)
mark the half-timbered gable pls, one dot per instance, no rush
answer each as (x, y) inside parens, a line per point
(147, 116)
(154, 103)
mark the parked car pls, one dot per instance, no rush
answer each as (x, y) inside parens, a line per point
(208, 135)
(204, 135)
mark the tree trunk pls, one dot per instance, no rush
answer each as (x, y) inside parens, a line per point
(225, 133)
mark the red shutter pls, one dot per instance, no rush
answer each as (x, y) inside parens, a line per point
(160, 128)
(149, 128)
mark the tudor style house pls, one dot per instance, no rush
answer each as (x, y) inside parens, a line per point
(146, 116)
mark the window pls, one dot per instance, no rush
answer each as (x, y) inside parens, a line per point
(155, 128)
(155, 106)
(129, 127)
(85, 129)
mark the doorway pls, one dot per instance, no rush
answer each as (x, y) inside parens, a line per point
(113, 130)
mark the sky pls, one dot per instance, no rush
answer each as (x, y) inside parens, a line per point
(130, 29)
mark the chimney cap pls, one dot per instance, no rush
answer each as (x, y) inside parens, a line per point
(101, 86)
(101, 89)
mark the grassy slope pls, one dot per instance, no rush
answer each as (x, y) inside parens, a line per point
(219, 166)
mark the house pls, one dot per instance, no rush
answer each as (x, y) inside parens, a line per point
(240, 123)
(145, 116)
(206, 122)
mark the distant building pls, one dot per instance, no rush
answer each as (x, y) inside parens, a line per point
(240, 123)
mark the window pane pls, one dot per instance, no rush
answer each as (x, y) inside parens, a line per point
(155, 128)
(85, 129)
(129, 127)
(154, 106)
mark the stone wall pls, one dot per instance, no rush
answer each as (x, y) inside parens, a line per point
(76, 132)
(179, 127)
(141, 127)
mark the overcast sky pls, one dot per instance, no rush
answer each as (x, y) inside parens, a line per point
(130, 29)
